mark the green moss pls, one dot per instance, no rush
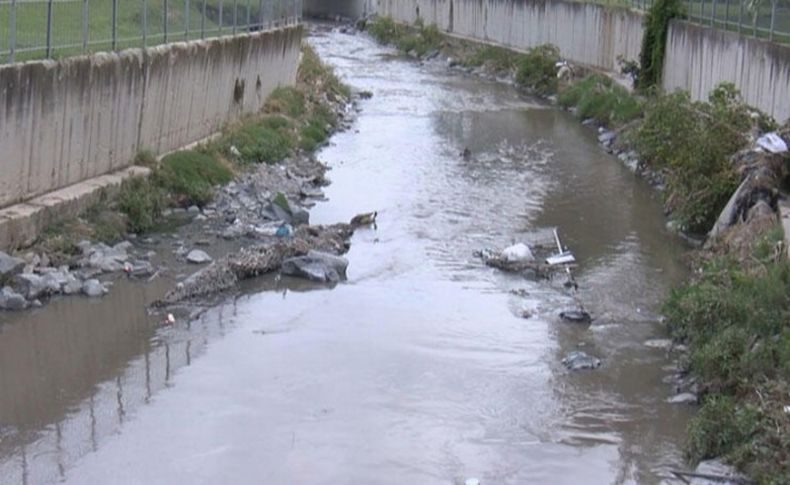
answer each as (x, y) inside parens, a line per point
(598, 97)
(536, 70)
(191, 176)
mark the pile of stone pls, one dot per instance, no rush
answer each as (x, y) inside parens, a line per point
(25, 281)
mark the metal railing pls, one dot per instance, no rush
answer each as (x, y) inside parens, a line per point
(767, 19)
(34, 29)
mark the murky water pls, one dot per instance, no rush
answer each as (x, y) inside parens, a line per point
(419, 369)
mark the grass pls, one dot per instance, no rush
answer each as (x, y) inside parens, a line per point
(190, 176)
(736, 322)
(419, 40)
(536, 70)
(598, 97)
(142, 201)
(180, 22)
(496, 58)
(264, 141)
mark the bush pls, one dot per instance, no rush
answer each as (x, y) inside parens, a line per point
(536, 70)
(497, 58)
(191, 176)
(720, 427)
(692, 142)
(142, 201)
(424, 40)
(598, 97)
(384, 30)
(265, 141)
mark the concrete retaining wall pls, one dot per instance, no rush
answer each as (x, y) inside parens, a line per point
(698, 58)
(62, 122)
(585, 33)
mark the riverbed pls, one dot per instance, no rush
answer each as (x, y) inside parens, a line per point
(426, 366)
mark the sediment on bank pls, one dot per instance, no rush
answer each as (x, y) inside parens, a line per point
(721, 168)
(252, 184)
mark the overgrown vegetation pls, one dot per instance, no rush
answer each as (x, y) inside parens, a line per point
(536, 70)
(735, 320)
(494, 57)
(654, 41)
(598, 97)
(299, 117)
(692, 143)
(419, 40)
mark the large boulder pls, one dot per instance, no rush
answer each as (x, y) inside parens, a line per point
(316, 266)
(93, 288)
(10, 266)
(196, 256)
(30, 286)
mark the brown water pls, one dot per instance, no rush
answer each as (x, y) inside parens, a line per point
(419, 369)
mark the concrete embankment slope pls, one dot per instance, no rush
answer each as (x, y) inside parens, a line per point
(585, 33)
(64, 122)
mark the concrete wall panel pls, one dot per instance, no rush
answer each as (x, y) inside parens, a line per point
(62, 122)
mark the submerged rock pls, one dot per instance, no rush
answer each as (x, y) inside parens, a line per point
(578, 360)
(93, 288)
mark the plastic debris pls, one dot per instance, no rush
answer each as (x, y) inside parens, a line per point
(772, 142)
(517, 253)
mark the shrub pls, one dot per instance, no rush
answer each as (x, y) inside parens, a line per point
(497, 58)
(384, 30)
(602, 99)
(191, 176)
(536, 70)
(692, 142)
(720, 427)
(142, 202)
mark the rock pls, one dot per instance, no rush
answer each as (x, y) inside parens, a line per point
(72, 286)
(36, 304)
(29, 285)
(196, 256)
(193, 209)
(579, 316)
(316, 266)
(11, 300)
(659, 343)
(10, 266)
(140, 269)
(54, 282)
(606, 137)
(718, 469)
(683, 398)
(578, 360)
(517, 253)
(93, 288)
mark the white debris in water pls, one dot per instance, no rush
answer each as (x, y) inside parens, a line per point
(472, 481)
(517, 253)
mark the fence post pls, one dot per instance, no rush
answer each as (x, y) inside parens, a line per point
(713, 14)
(145, 23)
(727, 16)
(235, 15)
(164, 20)
(740, 16)
(186, 19)
(220, 18)
(260, 14)
(248, 15)
(84, 26)
(49, 29)
(12, 31)
(773, 18)
(114, 24)
(203, 21)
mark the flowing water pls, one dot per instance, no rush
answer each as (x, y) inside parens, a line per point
(421, 368)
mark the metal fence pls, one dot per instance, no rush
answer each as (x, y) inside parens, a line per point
(767, 19)
(34, 29)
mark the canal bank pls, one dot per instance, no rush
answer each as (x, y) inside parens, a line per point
(422, 366)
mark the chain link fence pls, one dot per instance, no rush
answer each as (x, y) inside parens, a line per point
(766, 19)
(34, 29)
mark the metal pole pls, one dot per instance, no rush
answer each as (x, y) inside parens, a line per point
(203, 22)
(145, 23)
(114, 24)
(186, 19)
(773, 19)
(164, 20)
(727, 16)
(248, 15)
(713, 13)
(740, 16)
(220, 17)
(49, 29)
(260, 15)
(702, 11)
(84, 26)
(12, 31)
(235, 15)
